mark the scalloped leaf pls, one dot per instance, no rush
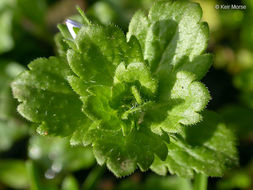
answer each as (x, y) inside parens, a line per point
(173, 43)
(208, 148)
(171, 34)
(47, 99)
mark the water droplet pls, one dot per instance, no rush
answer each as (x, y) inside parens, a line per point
(35, 152)
(56, 167)
(50, 174)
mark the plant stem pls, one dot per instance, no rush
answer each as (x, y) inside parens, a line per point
(200, 182)
(93, 177)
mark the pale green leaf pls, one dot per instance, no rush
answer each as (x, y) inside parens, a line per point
(173, 41)
(70, 183)
(171, 34)
(13, 173)
(10, 131)
(6, 17)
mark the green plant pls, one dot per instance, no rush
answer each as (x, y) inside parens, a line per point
(136, 99)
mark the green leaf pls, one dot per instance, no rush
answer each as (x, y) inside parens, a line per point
(13, 174)
(138, 27)
(123, 153)
(61, 44)
(171, 34)
(123, 95)
(173, 41)
(101, 50)
(47, 99)
(111, 56)
(179, 104)
(208, 148)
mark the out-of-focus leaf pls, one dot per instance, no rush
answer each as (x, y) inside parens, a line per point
(8, 71)
(12, 127)
(6, 17)
(103, 12)
(231, 19)
(244, 81)
(238, 118)
(13, 173)
(247, 26)
(157, 183)
(70, 183)
(10, 131)
(56, 154)
(235, 180)
(124, 9)
(34, 10)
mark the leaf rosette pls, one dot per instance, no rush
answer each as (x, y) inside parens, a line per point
(124, 95)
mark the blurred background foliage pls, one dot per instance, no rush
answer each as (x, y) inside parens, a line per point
(29, 161)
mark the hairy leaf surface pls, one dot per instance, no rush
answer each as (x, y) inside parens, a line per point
(173, 43)
(208, 147)
(47, 99)
(126, 96)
